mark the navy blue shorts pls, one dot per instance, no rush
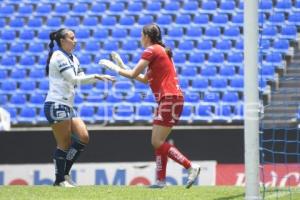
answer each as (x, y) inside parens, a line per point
(55, 112)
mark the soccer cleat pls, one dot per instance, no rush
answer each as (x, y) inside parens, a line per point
(193, 174)
(63, 184)
(158, 185)
(69, 180)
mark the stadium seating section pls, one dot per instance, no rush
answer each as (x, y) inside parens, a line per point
(206, 37)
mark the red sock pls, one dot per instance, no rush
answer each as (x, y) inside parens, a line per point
(161, 154)
(178, 157)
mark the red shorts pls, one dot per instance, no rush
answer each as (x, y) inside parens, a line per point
(168, 111)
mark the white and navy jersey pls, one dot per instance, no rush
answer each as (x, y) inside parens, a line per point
(64, 75)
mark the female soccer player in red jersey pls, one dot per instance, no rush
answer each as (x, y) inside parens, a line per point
(162, 78)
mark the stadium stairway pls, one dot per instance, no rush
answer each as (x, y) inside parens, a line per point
(283, 109)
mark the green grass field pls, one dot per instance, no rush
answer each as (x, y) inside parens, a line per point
(129, 193)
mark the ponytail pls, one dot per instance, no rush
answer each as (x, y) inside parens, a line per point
(154, 33)
(52, 37)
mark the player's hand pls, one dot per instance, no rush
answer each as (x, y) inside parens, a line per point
(110, 65)
(105, 77)
(117, 59)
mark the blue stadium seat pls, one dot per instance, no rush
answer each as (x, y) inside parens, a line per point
(201, 20)
(215, 59)
(119, 33)
(236, 84)
(17, 23)
(145, 19)
(238, 112)
(8, 86)
(135, 32)
(103, 114)
(61, 9)
(223, 114)
(7, 10)
(267, 71)
(186, 45)
(209, 7)
(153, 7)
(36, 49)
(282, 46)
(130, 45)
(133, 98)
(288, 32)
(141, 87)
(296, 7)
(175, 32)
(170, 43)
(8, 35)
(220, 20)
(227, 7)
(90, 21)
(43, 34)
(92, 47)
(191, 97)
(239, 45)
(17, 48)
(209, 71)
(108, 21)
(190, 7)
(3, 74)
(189, 72)
(179, 58)
(27, 86)
(283, 6)
(35, 22)
(143, 113)
(18, 74)
(238, 19)
(218, 84)
(79, 9)
(40, 117)
(232, 32)
(123, 86)
(101, 34)
(93, 98)
(26, 34)
(183, 20)
(116, 8)
(276, 19)
(3, 99)
(211, 98)
(171, 8)
(164, 20)
(230, 98)
(25, 10)
(224, 46)
(103, 86)
(27, 115)
(97, 8)
(265, 6)
(149, 98)
(111, 46)
(273, 58)
(43, 86)
(227, 71)
(43, 10)
(212, 33)
(87, 114)
(127, 20)
(205, 46)
(236, 59)
(113, 99)
(18, 100)
(184, 83)
(37, 74)
(8, 62)
(82, 34)
(193, 32)
(2, 22)
(199, 84)
(37, 100)
(187, 114)
(13, 114)
(197, 58)
(124, 113)
(294, 19)
(204, 113)
(269, 32)
(135, 8)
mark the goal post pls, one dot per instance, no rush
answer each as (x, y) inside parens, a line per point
(251, 100)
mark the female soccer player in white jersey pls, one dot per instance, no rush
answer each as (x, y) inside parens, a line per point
(65, 74)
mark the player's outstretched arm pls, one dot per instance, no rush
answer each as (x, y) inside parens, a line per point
(135, 73)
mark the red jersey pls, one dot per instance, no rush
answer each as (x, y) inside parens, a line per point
(161, 72)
